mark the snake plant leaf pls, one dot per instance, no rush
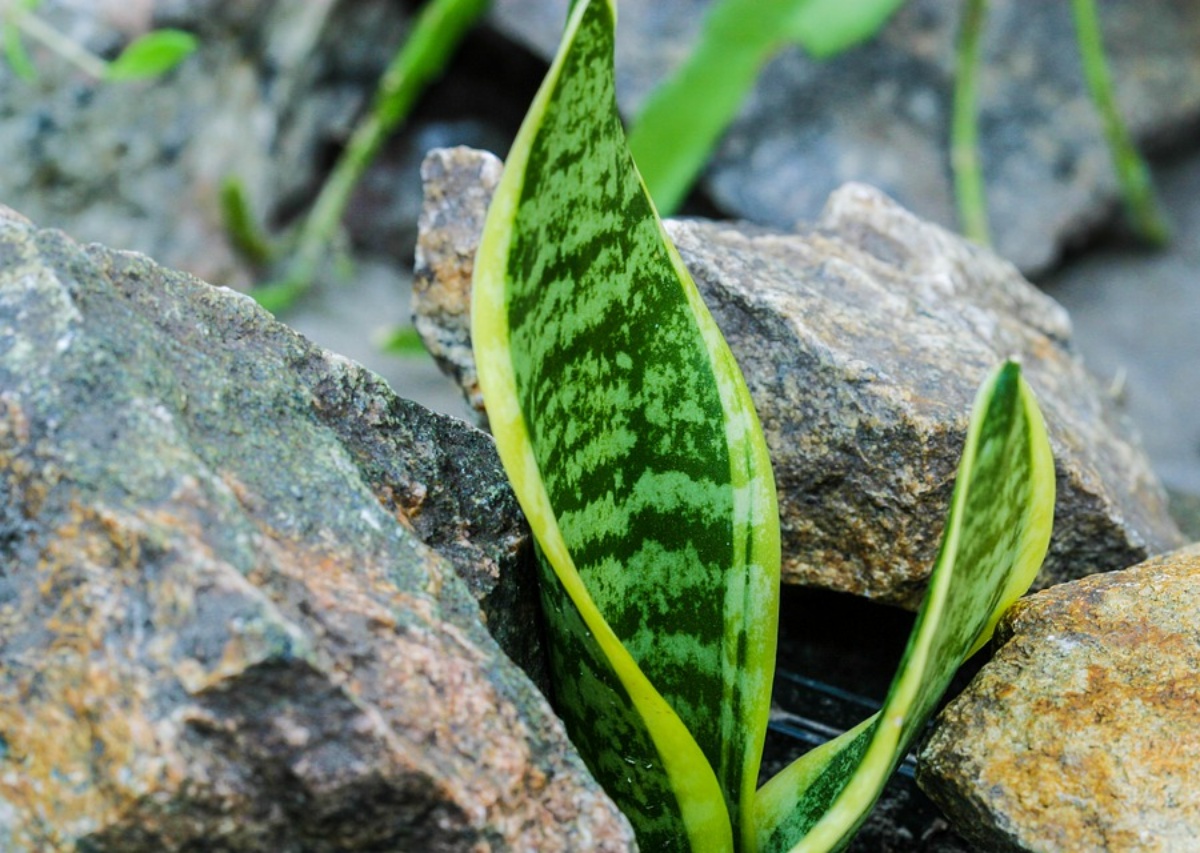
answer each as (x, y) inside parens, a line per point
(684, 117)
(631, 442)
(992, 547)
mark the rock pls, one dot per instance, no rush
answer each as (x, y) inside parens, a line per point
(881, 112)
(863, 341)
(1185, 509)
(1083, 731)
(271, 89)
(354, 318)
(229, 612)
(1135, 315)
(458, 186)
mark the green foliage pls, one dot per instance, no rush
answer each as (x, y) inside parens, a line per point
(649, 489)
(825, 28)
(1141, 205)
(151, 55)
(403, 341)
(632, 444)
(14, 47)
(964, 127)
(685, 116)
(439, 28)
(993, 544)
(241, 225)
(1137, 189)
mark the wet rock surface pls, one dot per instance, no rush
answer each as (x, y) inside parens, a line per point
(230, 616)
(863, 340)
(1083, 731)
(881, 112)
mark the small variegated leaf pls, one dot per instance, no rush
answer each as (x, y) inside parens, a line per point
(992, 547)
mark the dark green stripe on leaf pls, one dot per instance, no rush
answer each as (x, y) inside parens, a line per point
(616, 745)
(618, 392)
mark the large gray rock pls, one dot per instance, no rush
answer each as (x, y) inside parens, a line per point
(1083, 732)
(273, 86)
(863, 340)
(222, 623)
(881, 113)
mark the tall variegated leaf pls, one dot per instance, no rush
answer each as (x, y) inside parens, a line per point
(993, 544)
(631, 441)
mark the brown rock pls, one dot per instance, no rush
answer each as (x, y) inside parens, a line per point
(1083, 732)
(863, 340)
(221, 627)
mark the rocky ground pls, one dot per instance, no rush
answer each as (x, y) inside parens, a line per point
(1132, 308)
(269, 98)
(1133, 313)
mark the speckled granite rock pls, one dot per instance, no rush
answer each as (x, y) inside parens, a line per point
(863, 340)
(222, 625)
(881, 113)
(1083, 731)
(272, 87)
(458, 185)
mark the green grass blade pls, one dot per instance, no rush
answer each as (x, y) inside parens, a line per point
(152, 54)
(439, 29)
(825, 28)
(241, 226)
(965, 163)
(683, 119)
(994, 542)
(15, 53)
(19, 15)
(631, 442)
(1137, 187)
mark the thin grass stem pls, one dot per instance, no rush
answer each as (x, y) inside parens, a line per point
(44, 34)
(1141, 204)
(439, 28)
(965, 163)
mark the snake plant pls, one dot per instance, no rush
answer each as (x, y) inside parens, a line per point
(632, 443)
